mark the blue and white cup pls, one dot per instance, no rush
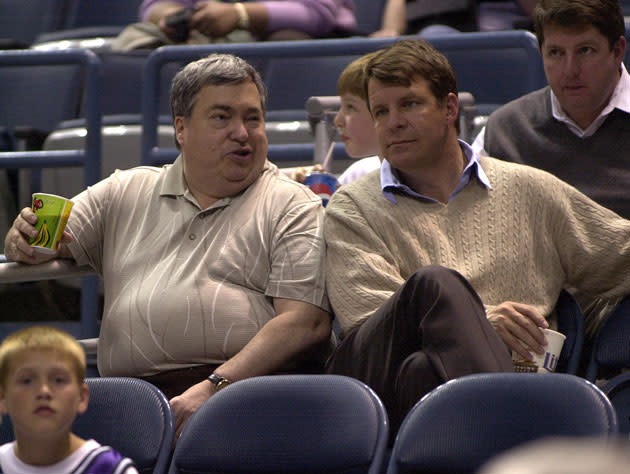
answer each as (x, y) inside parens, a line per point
(546, 362)
(322, 184)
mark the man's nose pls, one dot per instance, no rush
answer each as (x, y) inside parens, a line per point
(572, 65)
(396, 119)
(239, 131)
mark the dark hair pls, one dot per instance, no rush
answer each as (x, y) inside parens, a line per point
(408, 59)
(213, 70)
(604, 15)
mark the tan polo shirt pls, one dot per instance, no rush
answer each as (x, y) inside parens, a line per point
(184, 285)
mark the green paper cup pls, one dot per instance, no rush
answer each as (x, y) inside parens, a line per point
(52, 215)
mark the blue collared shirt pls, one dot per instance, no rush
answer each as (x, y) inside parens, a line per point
(390, 181)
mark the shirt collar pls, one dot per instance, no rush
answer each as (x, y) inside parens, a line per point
(620, 99)
(174, 183)
(390, 181)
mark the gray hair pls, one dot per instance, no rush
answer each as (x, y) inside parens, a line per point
(213, 70)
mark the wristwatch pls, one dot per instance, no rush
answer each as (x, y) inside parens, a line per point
(218, 381)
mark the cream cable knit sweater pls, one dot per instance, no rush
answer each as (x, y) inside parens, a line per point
(523, 240)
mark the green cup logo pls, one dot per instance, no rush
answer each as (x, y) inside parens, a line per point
(52, 215)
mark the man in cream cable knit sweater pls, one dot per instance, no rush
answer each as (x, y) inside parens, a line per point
(442, 260)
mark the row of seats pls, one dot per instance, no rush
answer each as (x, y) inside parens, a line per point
(335, 424)
(132, 90)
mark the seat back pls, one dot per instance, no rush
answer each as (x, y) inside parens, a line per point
(85, 13)
(611, 347)
(28, 100)
(369, 15)
(23, 22)
(285, 423)
(464, 422)
(617, 390)
(571, 324)
(130, 415)
(133, 417)
(495, 67)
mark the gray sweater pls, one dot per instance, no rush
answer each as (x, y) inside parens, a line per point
(524, 131)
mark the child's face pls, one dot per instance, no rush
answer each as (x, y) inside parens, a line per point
(43, 396)
(356, 127)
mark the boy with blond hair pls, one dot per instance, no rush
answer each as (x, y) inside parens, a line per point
(354, 123)
(42, 389)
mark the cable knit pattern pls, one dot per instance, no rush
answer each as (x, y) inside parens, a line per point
(523, 240)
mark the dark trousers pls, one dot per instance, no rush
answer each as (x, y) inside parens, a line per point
(433, 329)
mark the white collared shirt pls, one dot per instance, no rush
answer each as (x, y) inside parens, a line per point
(620, 99)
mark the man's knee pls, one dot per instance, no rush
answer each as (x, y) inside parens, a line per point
(432, 279)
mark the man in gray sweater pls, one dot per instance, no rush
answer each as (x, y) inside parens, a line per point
(578, 127)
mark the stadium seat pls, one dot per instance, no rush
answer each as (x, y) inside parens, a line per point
(463, 423)
(285, 423)
(617, 390)
(611, 347)
(571, 324)
(20, 23)
(90, 20)
(369, 14)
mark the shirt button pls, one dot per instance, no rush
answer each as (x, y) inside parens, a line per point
(192, 236)
(201, 216)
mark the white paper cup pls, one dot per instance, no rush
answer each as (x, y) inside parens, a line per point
(545, 362)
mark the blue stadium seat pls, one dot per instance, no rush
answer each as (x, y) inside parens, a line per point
(93, 19)
(369, 14)
(22, 22)
(466, 421)
(285, 423)
(611, 347)
(571, 324)
(493, 67)
(617, 390)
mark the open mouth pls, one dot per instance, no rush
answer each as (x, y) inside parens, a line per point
(241, 153)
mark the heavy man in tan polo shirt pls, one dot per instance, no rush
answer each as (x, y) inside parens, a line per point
(212, 266)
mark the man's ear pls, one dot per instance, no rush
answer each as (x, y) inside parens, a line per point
(452, 107)
(179, 129)
(84, 398)
(619, 49)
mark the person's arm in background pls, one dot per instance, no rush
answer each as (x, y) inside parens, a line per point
(316, 18)
(394, 19)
